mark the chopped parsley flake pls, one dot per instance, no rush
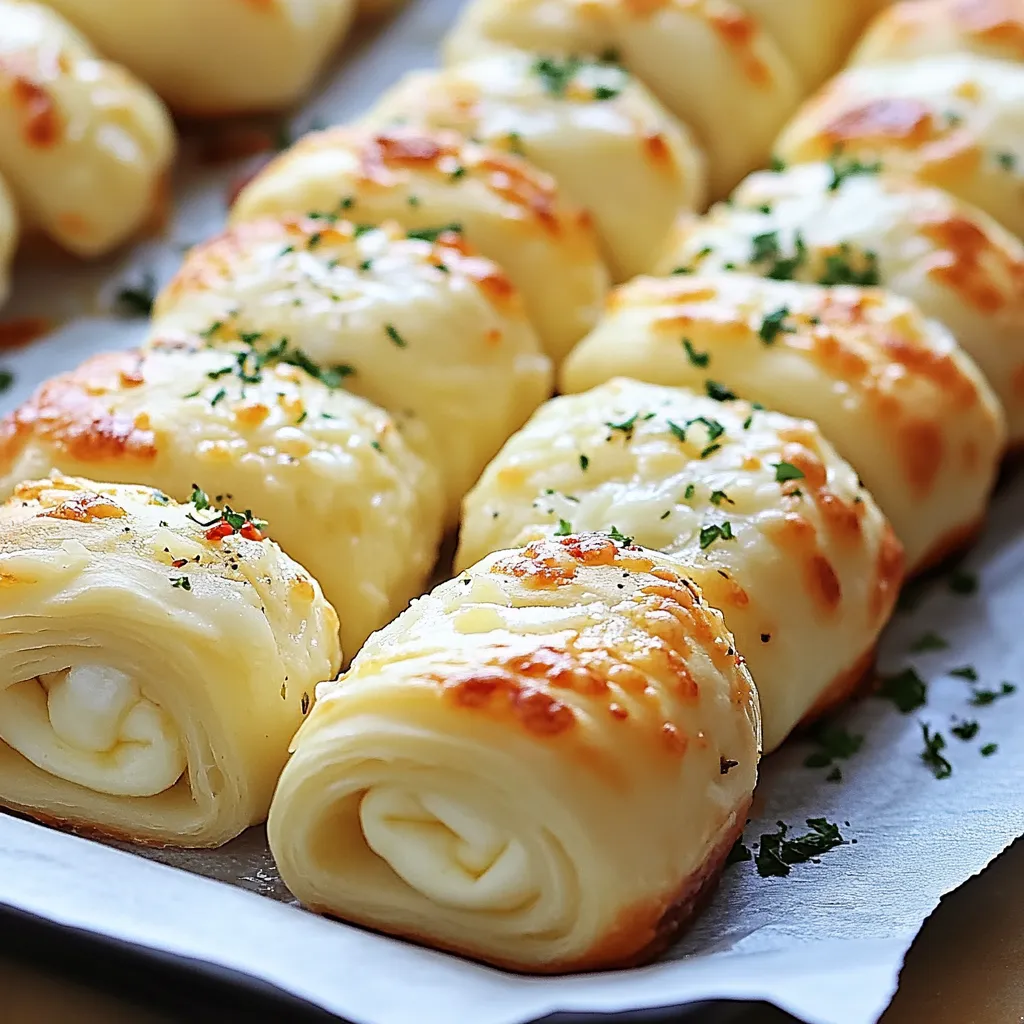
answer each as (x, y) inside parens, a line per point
(776, 854)
(136, 300)
(619, 537)
(965, 730)
(564, 528)
(719, 392)
(934, 744)
(773, 325)
(767, 255)
(181, 583)
(963, 582)
(6, 380)
(714, 532)
(738, 853)
(626, 426)
(392, 332)
(989, 749)
(199, 498)
(717, 497)
(982, 698)
(929, 642)
(558, 72)
(584, 463)
(968, 672)
(786, 471)
(841, 170)
(906, 689)
(834, 742)
(698, 359)
(840, 268)
(1007, 160)
(689, 492)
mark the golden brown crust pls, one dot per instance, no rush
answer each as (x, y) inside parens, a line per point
(71, 413)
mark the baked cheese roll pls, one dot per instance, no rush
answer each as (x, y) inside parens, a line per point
(83, 145)
(926, 28)
(8, 237)
(542, 764)
(342, 490)
(504, 207)
(955, 121)
(769, 521)
(216, 56)
(836, 224)
(611, 146)
(708, 61)
(891, 390)
(155, 660)
(433, 333)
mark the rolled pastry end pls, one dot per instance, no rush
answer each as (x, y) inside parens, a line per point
(542, 764)
(155, 659)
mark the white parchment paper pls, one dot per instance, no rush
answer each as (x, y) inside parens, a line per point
(825, 943)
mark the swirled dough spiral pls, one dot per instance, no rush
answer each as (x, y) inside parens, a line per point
(927, 28)
(83, 145)
(333, 475)
(216, 56)
(589, 124)
(506, 209)
(956, 121)
(955, 262)
(150, 676)
(892, 391)
(429, 331)
(542, 764)
(708, 61)
(800, 560)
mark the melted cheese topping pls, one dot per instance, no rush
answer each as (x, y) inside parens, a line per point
(83, 145)
(956, 121)
(599, 133)
(153, 664)
(216, 56)
(708, 61)
(891, 390)
(699, 479)
(433, 333)
(511, 212)
(955, 262)
(527, 766)
(332, 474)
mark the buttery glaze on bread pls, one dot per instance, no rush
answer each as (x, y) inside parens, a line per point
(152, 668)
(892, 391)
(542, 764)
(589, 124)
(216, 57)
(801, 562)
(83, 145)
(955, 262)
(955, 121)
(505, 208)
(333, 475)
(430, 331)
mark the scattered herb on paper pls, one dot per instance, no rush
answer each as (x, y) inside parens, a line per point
(934, 744)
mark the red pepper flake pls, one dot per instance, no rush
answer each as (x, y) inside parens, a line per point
(179, 562)
(251, 532)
